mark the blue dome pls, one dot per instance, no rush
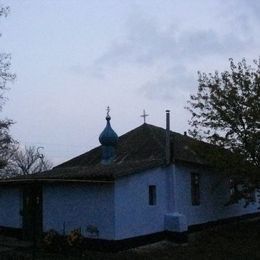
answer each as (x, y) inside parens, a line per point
(108, 137)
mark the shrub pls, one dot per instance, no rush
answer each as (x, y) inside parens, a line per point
(53, 241)
(75, 239)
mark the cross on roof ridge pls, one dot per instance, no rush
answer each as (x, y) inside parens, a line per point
(144, 115)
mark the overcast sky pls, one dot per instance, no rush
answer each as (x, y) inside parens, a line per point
(73, 58)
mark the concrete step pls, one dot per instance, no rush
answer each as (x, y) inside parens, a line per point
(14, 243)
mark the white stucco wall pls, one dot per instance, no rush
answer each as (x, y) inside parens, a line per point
(10, 206)
(214, 193)
(121, 210)
(133, 214)
(75, 206)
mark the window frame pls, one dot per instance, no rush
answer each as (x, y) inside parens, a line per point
(152, 195)
(195, 189)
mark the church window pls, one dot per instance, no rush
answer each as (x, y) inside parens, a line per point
(195, 189)
(152, 195)
(232, 187)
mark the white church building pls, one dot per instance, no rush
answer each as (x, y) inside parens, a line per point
(146, 185)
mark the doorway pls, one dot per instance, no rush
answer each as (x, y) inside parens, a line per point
(32, 211)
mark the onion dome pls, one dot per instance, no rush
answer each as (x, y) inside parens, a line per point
(108, 137)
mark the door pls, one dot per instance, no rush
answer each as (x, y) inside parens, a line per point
(32, 211)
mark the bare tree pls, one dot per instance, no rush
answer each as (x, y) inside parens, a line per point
(6, 142)
(25, 161)
(5, 64)
(14, 160)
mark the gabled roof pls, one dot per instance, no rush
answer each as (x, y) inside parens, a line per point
(144, 143)
(138, 150)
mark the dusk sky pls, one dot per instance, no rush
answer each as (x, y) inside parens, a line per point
(73, 58)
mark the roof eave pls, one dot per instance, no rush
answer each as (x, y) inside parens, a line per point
(52, 180)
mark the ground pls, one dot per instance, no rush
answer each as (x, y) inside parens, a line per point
(239, 240)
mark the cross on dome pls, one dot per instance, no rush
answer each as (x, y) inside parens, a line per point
(108, 116)
(108, 110)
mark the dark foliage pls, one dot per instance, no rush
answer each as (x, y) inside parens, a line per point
(53, 241)
(226, 109)
(226, 112)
